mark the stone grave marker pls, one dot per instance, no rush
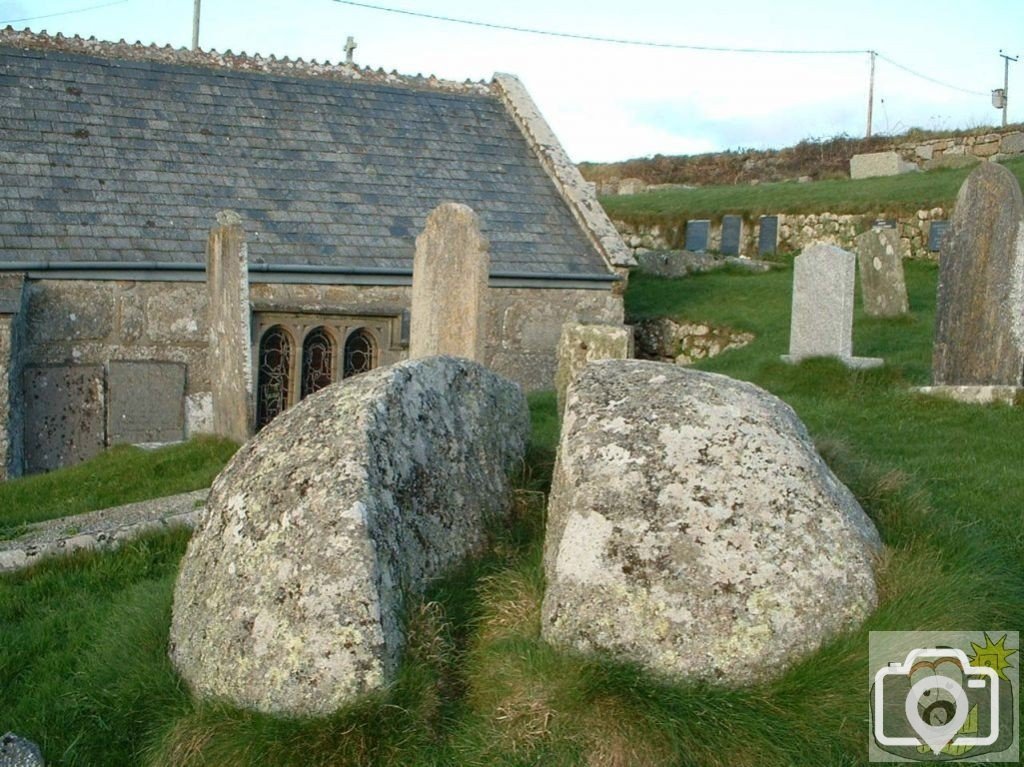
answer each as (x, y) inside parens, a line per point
(449, 285)
(64, 415)
(767, 235)
(732, 235)
(822, 320)
(318, 532)
(230, 355)
(697, 232)
(979, 316)
(581, 344)
(882, 285)
(936, 231)
(145, 402)
(693, 529)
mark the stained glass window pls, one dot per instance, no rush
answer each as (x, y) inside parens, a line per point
(359, 353)
(275, 361)
(317, 361)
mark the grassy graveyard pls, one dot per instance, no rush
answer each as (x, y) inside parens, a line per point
(121, 475)
(83, 640)
(894, 195)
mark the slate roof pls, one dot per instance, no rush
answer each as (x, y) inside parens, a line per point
(128, 161)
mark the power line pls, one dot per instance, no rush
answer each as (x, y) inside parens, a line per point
(908, 70)
(652, 43)
(64, 13)
(596, 38)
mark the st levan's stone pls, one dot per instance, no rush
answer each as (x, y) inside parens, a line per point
(449, 285)
(979, 317)
(693, 529)
(581, 344)
(882, 284)
(290, 596)
(822, 321)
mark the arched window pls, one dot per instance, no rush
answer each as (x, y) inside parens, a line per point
(275, 364)
(317, 361)
(360, 353)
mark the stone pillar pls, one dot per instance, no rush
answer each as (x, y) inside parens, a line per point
(12, 350)
(230, 351)
(449, 285)
(581, 344)
(822, 321)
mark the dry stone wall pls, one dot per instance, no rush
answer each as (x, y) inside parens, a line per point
(797, 231)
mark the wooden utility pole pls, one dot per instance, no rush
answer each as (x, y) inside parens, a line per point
(1006, 80)
(195, 26)
(870, 93)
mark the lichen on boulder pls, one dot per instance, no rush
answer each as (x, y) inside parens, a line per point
(290, 598)
(693, 528)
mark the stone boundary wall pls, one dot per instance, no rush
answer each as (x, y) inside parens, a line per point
(797, 231)
(958, 150)
(953, 151)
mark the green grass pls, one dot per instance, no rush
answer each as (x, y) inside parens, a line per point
(893, 195)
(120, 475)
(83, 661)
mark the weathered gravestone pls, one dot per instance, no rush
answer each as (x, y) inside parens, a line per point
(732, 235)
(979, 317)
(449, 285)
(581, 344)
(693, 529)
(822, 321)
(883, 288)
(697, 232)
(290, 596)
(767, 235)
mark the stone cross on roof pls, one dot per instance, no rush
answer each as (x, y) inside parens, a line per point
(350, 46)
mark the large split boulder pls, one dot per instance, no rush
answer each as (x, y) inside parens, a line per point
(693, 528)
(290, 597)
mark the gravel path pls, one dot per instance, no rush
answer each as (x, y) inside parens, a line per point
(104, 529)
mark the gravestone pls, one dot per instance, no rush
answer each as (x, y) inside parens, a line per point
(64, 415)
(145, 402)
(581, 344)
(230, 345)
(821, 324)
(883, 288)
(449, 285)
(320, 529)
(732, 235)
(936, 232)
(697, 232)
(693, 529)
(767, 235)
(979, 317)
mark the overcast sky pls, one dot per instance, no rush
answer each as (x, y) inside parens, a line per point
(614, 101)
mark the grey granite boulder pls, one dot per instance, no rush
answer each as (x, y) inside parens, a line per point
(693, 529)
(290, 597)
(15, 751)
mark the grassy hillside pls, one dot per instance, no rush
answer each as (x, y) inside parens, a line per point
(83, 641)
(895, 195)
(816, 158)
